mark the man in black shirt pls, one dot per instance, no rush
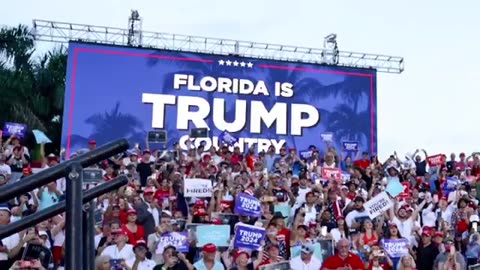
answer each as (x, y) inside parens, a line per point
(427, 253)
(420, 165)
(144, 168)
(174, 260)
(451, 164)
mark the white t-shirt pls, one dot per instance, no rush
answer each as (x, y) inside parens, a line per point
(143, 265)
(405, 228)
(9, 242)
(297, 264)
(125, 253)
(301, 195)
(337, 234)
(350, 218)
(310, 214)
(447, 214)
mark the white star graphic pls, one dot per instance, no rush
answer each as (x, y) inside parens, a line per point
(221, 62)
(228, 62)
(242, 64)
(235, 63)
(250, 64)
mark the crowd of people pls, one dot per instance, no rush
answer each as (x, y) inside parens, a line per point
(311, 221)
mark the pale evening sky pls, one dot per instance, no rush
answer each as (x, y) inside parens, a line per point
(431, 105)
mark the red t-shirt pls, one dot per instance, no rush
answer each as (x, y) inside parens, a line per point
(351, 195)
(236, 159)
(251, 161)
(362, 163)
(161, 194)
(335, 262)
(134, 237)
(123, 216)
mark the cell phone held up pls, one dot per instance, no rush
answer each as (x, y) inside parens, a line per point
(116, 264)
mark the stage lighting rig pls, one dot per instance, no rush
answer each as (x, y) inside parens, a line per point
(134, 29)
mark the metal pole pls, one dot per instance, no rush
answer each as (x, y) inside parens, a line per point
(56, 209)
(73, 229)
(8, 192)
(89, 235)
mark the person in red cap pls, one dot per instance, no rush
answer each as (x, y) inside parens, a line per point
(272, 254)
(209, 260)
(445, 210)
(134, 231)
(241, 260)
(92, 144)
(200, 215)
(437, 238)
(121, 250)
(343, 259)
(427, 252)
(140, 262)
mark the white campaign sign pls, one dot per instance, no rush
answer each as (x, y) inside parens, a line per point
(378, 204)
(195, 187)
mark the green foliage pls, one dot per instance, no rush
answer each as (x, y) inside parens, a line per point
(31, 87)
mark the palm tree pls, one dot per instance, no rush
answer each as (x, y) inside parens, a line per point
(110, 126)
(347, 124)
(32, 86)
(308, 89)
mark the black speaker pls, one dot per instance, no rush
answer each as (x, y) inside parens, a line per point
(199, 133)
(157, 136)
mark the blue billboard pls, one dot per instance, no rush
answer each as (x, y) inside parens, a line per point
(114, 92)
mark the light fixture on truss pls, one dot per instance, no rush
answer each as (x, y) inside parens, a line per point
(331, 52)
(134, 29)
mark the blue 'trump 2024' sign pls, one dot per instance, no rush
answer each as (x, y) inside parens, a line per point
(114, 92)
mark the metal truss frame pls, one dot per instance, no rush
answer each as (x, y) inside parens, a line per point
(62, 32)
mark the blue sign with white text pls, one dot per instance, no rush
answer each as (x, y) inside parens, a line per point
(247, 205)
(16, 129)
(114, 91)
(350, 147)
(248, 237)
(227, 138)
(176, 239)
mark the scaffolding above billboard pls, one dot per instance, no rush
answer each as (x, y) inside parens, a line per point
(62, 32)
